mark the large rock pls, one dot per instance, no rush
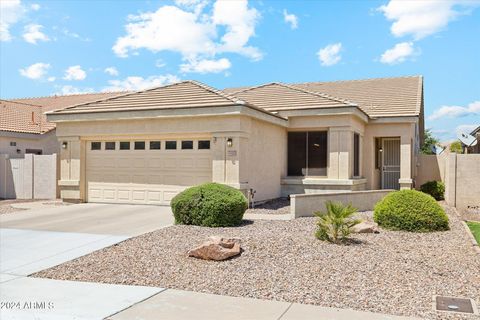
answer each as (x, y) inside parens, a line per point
(365, 227)
(217, 248)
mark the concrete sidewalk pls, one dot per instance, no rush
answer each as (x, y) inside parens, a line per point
(46, 299)
(182, 305)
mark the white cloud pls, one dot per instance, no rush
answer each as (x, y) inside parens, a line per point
(68, 89)
(32, 33)
(456, 111)
(135, 83)
(51, 79)
(35, 6)
(36, 71)
(11, 11)
(193, 32)
(399, 53)
(206, 66)
(160, 63)
(290, 19)
(421, 18)
(330, 55)
(75, 73)
(240, 22)
(111, 71)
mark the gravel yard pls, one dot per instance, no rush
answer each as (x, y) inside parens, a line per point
(390, 272)
(275, 206)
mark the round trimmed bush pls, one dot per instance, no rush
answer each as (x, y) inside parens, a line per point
(209, 205)
(434, 188)
(410, 210)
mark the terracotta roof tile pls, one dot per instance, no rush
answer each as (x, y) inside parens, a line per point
(27, 114)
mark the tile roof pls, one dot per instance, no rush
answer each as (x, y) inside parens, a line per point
(279, 96)
(27, 114)
(185, 94)
(381, 97)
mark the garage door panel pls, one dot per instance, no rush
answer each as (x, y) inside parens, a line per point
(150, 176)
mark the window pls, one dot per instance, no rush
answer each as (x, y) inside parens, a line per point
(96, 146)
(187, 145)
(13, 144)
(356, 155)
(203, 144)
(139, 145)
(124, 145)
(109, 145)
(155, 145)
(171, 145)
(307, 153)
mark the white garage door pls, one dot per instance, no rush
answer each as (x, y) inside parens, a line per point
(145, 172)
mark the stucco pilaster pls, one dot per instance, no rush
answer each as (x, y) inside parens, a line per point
(340, 149)
(405, 162)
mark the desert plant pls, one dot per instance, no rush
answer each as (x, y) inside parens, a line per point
(410, 210)
(209, 205)
(335, 224)
(429, 141)
(434, 188)
(456, 147)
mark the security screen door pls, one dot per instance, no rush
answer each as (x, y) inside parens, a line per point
(390, 163)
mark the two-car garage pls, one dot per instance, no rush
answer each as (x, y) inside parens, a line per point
(145, 171)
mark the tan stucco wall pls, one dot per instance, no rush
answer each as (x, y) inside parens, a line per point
(265, 161)
(462, 187)
(305, 205)
(47, 142)
(430, 168)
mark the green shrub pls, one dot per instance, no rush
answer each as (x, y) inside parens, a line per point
(335, 224)
(434, 188)
(209, 205)
(410, 210)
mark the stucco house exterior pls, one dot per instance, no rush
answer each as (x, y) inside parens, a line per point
(24, 127)
(270, 140)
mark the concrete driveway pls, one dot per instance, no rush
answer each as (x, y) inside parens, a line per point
(110, 219)
(37, 239)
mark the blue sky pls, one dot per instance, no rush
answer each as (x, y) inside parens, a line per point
(62, 47)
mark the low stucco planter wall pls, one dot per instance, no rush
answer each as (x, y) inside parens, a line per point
(304, 205)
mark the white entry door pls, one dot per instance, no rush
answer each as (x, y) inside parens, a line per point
(145, 172)
(390, 163)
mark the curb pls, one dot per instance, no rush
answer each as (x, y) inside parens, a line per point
(475, 245)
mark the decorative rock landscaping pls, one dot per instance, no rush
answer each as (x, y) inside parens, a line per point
(392, 272)
(217, 248)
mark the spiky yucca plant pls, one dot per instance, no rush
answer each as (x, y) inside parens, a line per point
(335, 224)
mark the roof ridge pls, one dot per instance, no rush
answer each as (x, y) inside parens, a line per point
(359, 80)
(214, 90)
(116, 96)
(254, 87)
(320, 94)
(24, 103)
(68, 95)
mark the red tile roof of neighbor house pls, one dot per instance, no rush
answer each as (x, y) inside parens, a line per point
(26, 115)
(383, 97)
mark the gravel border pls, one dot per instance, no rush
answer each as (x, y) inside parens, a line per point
(391, 272)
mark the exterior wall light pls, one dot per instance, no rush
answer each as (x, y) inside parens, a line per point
(229, 142)
(64, 145)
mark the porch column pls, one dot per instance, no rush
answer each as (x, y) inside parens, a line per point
(340, 143)
(72, 169)
(405, 180)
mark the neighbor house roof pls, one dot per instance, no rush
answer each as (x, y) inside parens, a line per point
(182, 95)
(26, 115)
(381, 97)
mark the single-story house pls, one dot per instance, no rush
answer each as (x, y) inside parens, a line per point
(270, 140)
(24, 127)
